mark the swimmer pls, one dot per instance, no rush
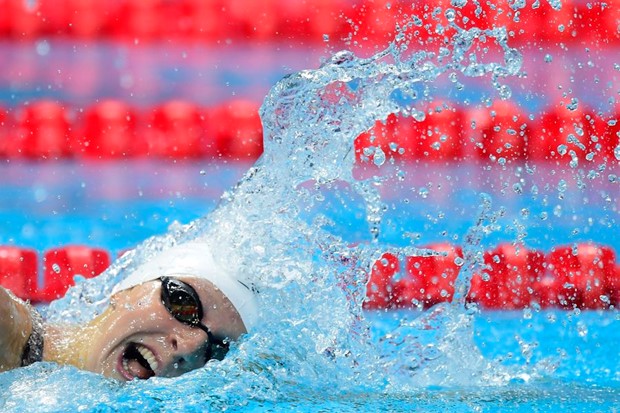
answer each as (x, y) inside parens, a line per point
(171, 315)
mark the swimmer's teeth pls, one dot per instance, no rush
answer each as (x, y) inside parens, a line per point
(148, 356)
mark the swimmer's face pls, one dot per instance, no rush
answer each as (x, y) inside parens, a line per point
(137, 337)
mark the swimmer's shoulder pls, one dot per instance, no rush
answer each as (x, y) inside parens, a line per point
(16, 326)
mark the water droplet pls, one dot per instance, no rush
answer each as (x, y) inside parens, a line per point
(517, 188)
(573, 105)
(43, 48)
(556, 4)
(504, 92)
(582, 329)
(548, 58)
(379, 157)
(450, 15)
(562, 149)
(562, 185)
(56, 268)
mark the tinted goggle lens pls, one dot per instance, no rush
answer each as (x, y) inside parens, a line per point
(181, 301)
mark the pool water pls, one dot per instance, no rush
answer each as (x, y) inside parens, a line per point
(566, 359)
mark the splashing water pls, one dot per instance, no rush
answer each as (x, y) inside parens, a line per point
(313, 336)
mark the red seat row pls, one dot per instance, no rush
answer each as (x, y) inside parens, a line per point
(368, 21)
(19, 270)
(514, 277)
(177, 129)
(501, 133)
(112, 129)
(584, 276)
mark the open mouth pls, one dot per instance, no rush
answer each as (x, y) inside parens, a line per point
(138, 362)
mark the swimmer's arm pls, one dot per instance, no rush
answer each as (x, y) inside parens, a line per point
(15, 329)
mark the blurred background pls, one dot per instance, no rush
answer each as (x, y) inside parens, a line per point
(119, 117)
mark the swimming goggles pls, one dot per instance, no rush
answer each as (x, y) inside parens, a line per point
(183, 303)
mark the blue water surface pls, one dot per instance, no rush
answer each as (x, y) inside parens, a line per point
(573, 357)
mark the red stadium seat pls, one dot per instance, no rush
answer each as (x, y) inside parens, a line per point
(379, 287)
(501, 131)
(5, 128)
(561, 132)
(383, 138)
(55, 16)
(177, 18)
(583, 271)
(541, 24)
(507, 282)
(135, 21)
(256, 20)
(312, 21)
(408, 292)
(206, 23)
(439, 137)
(110, 130)
(613, 286)
(5, 19)
(88, 18)
(373, 24)
(43, 131)
(549, 291)
(235, 128)
(609, 130)
(436, 274)
(19, 270)
(25, 19)
(61, 265)
(177, 131)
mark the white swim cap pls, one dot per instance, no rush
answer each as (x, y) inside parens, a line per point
(195, 260)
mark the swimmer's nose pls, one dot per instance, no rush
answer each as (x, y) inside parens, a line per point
(188, 350)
